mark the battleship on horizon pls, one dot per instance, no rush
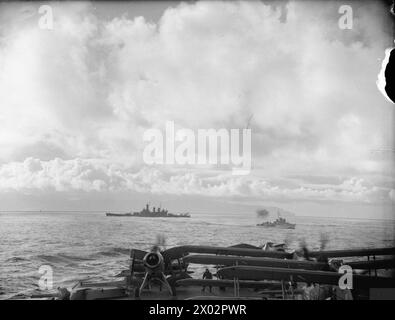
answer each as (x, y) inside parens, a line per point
(146, 212)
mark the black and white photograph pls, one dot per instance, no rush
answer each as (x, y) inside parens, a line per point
(197, 150)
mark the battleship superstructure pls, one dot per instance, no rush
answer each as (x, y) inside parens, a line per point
(146, 212)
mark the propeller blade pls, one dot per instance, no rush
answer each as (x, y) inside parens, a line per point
(160, 243)
(132, 266)
(304, 250)
(324, 239)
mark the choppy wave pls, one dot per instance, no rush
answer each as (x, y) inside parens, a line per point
(58, 259)
(16, 260)
(112, 252)
(62, 258)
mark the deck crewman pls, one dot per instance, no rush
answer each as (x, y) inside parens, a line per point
(207, 275)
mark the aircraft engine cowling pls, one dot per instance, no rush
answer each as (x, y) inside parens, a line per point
(153, 261)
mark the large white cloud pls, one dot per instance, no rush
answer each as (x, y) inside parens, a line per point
(90, 87)
(34, 175)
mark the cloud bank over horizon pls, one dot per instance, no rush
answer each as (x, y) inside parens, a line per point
(92, 175)
(76, 100)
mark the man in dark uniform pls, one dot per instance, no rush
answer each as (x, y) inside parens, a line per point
(207, 275)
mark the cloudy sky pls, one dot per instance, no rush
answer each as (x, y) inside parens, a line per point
(75, 101)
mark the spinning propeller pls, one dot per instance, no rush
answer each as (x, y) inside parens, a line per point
(154, 266)
(304, 250)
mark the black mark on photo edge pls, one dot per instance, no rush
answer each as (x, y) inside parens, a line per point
(386, 82)
(389, 74)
